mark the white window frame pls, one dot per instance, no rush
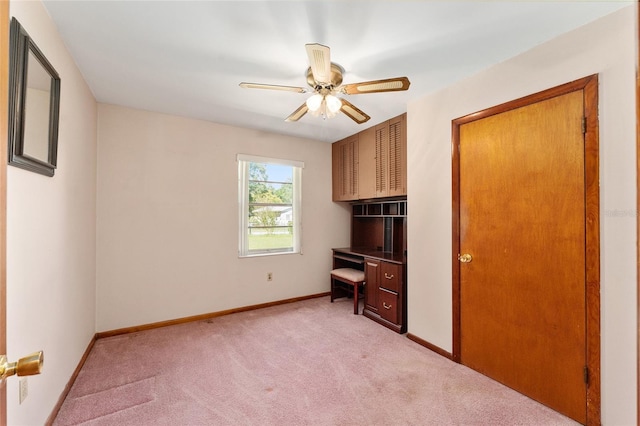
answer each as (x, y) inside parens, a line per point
(243, 204)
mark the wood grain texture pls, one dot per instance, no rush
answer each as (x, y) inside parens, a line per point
(592, 223)
(345, 169)
(366, 166)
(522, 220)
(398, 156)
(382, 159)
(587, 89)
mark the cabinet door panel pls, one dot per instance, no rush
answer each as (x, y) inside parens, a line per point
(372, 277)
(367, 164)
(397, 157)
(382, 159)
(345, 169)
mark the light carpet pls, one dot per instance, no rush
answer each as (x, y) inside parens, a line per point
(305, 363)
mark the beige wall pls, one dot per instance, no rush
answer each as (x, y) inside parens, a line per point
(168, 219)
(607, 47)
(51, 239)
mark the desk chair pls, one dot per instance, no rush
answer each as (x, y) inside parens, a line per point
(351, 277)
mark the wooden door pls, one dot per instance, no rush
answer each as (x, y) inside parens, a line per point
(524, 207)
(4, 114)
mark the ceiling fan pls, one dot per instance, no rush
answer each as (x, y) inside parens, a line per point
(325, 79)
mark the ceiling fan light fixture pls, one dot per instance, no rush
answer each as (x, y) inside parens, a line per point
(314, 102)
(333, 104)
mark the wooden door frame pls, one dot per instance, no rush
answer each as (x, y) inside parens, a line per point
(4, 117)
(592, 224)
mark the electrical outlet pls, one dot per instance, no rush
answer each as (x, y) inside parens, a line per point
(24, 389)
(269, 276)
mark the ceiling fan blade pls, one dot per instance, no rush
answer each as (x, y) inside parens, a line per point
(298, 114)
(375, 86)
(273, 87)
(353, 112)
(320, 62)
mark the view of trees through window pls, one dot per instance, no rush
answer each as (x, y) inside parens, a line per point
(270, 207)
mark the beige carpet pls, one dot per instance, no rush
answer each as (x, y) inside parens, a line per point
(304, 363)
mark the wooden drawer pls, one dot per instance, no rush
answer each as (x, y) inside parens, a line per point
(390, 276)
(388, 305)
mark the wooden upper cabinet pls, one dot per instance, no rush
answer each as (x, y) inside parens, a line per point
(367, 166)
(345, 169)
(372, 163)
(397, 176)
(382, 159)
(391, 158)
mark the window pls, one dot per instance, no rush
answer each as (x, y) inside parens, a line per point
(269, 201)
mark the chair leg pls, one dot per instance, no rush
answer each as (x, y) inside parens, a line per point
(332, 290)
(355, 298)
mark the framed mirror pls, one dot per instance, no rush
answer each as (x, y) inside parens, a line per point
(34, 105)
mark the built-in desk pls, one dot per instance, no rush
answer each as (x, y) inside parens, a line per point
(385, 290)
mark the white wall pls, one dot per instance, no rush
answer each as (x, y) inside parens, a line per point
(51, 239)
(167, 229)
(607, 47)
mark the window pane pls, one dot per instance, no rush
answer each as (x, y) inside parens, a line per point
(270, 183)
(271, 238)
(270, 224)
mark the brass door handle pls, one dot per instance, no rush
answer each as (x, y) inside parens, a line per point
(465, 258)
(389, 277)
(26, 366)
(384, 305)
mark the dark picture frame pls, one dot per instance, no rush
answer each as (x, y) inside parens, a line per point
(34, 105)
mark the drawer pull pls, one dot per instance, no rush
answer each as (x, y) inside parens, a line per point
(389, 277)
(384, 305)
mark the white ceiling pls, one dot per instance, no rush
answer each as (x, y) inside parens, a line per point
(186, 58)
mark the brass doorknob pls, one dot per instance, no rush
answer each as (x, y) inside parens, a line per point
(26, 366)
(465, 258)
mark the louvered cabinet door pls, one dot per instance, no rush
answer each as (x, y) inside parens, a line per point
(353, 168)
(345, 169)
(382, 159)
(397, 176)
(372, 163)
(367, 164)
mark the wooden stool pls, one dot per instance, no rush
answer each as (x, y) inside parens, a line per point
(349, 276)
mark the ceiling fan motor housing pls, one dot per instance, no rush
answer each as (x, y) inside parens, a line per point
(336, 78)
